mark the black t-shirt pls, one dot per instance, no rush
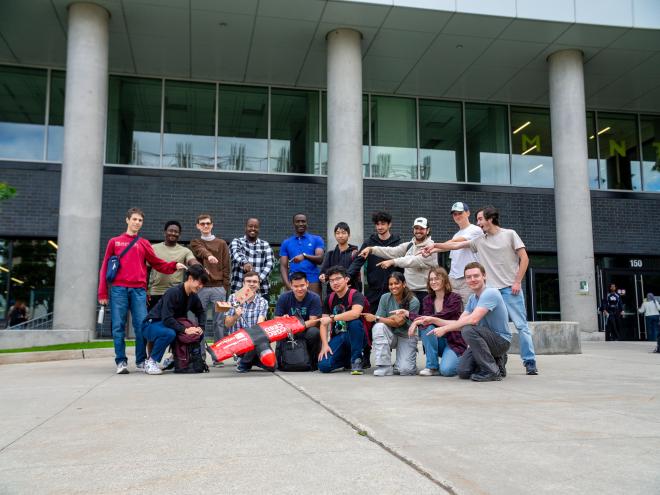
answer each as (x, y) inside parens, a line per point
(340, 305)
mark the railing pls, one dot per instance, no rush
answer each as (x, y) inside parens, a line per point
(44, 322)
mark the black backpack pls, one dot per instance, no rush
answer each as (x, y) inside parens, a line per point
(292, 355)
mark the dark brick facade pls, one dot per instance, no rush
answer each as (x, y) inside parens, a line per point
(624, 223)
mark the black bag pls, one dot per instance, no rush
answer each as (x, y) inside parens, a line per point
(292, 355)
(113, 265)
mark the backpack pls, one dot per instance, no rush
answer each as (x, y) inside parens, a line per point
(292, 355)
(114, 262)
(366, 309)
(188, 356)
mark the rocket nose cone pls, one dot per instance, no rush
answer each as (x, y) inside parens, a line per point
(267, 358)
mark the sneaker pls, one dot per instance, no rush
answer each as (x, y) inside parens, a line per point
(168, 363)
(151, 367)
(383, 371)
(139, 366)
(219, 364)
(530, 366)
(501, 364)
(122, 368)
(483, 376)
(241, 369)
(356, 367)
(429, 372)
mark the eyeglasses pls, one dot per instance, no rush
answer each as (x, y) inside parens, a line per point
(335, 280)
(205, 223)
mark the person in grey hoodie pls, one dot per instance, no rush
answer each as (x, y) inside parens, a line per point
(406, 255)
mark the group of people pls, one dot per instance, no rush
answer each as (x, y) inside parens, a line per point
(461, 317)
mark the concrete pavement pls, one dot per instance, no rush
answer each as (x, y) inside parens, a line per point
(589, 423)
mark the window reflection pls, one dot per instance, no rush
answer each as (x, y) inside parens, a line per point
(243, 128)
(56, 117)
(393, 138)
(651, 152)
(22, 113)
(619, 160)
(592, 151)
(134, 121)
(189, 125)
(441, 141)
(531, 143)
(487, 143)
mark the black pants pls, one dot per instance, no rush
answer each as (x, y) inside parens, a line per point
(613, 327)
(484, 347)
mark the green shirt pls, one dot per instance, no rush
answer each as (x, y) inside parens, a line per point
(388, 304)
(159, 282)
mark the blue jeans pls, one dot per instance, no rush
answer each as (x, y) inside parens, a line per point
(515, 305)
(437, 347)
(123, 299)
(346, 348)
(652, 327)
(160, 335)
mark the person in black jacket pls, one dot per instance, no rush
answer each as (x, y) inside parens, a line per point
(342, 255)
(161, 325)
(612, 308)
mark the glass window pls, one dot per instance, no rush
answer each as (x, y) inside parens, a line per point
(56, 117)
(651, 152)
(441, 141)
(619, 160)
(243, 128)
(321, 154)
(294, 130)
(22, 113)
(592, 151)
(487, 143)
(189, 125)
(4, 279)
(531, 143)
(366, 169)
(134, 107)
(393, 137)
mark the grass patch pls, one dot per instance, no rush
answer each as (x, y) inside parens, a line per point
(101, 344)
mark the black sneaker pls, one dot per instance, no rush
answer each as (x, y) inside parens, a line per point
(501, 364)
(484, 376)
(530, 366)
(356, 367)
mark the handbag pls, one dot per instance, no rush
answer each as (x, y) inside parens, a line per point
(113, 261)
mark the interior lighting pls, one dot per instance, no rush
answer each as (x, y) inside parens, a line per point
(53, 243)
(3, 269)
(536, 168)
(522, 127)
(528, 150)
(592, 136)
(17, 281)
(604, 130)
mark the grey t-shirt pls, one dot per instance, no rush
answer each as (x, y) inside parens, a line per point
(388, 304)
(497, 318)
(497, 252)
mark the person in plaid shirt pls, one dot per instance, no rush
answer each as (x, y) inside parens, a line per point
(249, 253)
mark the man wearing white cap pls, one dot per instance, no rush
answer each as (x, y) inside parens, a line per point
(460, 212)
(406, 255)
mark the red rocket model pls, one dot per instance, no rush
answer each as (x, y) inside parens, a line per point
(259, 337)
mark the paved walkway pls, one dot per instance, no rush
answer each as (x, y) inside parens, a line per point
(588, 424)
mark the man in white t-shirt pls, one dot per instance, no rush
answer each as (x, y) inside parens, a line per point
(460, 212)
(503, 254)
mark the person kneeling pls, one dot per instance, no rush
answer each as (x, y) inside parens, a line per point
(342, 319)
(484, 326)
(391, 329)
(162, 323)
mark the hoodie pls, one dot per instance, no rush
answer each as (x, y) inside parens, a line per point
(408, 256)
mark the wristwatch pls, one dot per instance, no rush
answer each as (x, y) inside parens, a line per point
(377, 319)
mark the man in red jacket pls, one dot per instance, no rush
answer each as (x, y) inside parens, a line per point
(129, 288)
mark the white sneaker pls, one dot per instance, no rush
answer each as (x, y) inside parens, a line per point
(122, 368)
(151, 367)
(429, 372)
(140, 366)
(383, 371)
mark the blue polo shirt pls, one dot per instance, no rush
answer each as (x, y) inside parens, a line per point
(307, 243)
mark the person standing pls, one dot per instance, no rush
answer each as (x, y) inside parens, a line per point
(612, 308)
(650, 308)
(213, 253)
(129, 287)
(302, 252)
(250, 253)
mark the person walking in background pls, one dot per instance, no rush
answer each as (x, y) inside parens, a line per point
(612, 308)
(650, 308)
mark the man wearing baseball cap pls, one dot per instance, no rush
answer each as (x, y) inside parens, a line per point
(406, 255)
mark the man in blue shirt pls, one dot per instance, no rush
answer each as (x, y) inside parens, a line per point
(299, 301)
(302, 252)
(484, 326)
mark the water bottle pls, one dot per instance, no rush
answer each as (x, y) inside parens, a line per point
(101, 315)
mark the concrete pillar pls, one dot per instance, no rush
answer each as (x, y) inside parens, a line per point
(345, 133)
(575, 249)
(85, 110)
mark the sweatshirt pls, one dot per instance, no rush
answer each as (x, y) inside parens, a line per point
(408, 256)
(219, 273)
(132, 266)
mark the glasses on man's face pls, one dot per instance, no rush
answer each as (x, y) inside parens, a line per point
(335, 280)
(205, 223)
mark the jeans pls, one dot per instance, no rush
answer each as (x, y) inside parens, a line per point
(515, 305)
(123, 299)
(652, 327)
(346, 348)
(160, 335)
(209, 295)
(485, 346)
(437, 347)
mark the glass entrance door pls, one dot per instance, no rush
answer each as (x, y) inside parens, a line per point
(628, 286)
(543, 294)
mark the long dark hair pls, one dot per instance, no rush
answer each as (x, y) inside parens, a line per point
(407, 293)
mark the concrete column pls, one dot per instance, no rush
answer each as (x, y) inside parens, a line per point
(345, 133)
(575, 249)
(81, 189)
